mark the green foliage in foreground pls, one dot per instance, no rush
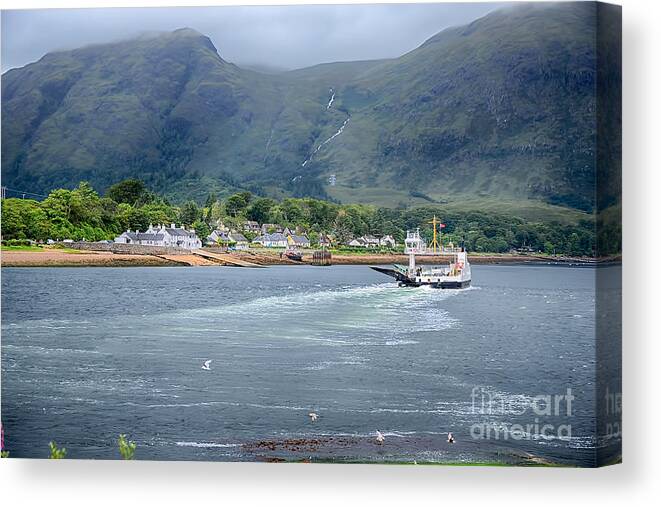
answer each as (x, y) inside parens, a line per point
(126, 447)
(83, 214)
(55, 452)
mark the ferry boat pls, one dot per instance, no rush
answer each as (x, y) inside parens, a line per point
(455, 275)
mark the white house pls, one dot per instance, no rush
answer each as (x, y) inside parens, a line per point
(251, 226)
(275, 240)
(238, 240)
(365, 242)
(217, 236)
(162, 236)
(388, 241)
(298, 241)
(233, 239)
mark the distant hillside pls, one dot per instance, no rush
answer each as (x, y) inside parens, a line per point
(502, 109)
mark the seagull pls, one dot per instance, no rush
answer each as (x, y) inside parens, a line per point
(206, 365)
(450, 438)
(379, 437)
(313, 416)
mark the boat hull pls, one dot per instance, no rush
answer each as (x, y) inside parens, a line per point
(405, 281)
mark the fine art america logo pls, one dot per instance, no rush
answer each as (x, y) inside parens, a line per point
(540, 409)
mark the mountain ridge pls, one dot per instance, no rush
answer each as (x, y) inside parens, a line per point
(478, 111)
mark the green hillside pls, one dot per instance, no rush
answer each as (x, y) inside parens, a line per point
(499, 114)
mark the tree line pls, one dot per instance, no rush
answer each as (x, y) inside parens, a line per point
(82, 213)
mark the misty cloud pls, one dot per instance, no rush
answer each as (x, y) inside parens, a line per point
(267, 37)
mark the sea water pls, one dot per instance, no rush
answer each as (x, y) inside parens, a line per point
(89, 353)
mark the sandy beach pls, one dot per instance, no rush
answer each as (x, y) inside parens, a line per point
(51, 257)
(59, 258)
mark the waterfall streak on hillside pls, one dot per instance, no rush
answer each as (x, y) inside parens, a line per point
(330, 102)
(339, 131)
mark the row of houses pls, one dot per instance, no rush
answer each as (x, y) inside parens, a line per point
(162, 236)
(254, 228)
(226, 238)
(373, 242)
(262, 230)
(275, 240)
(280, 240)
(275, 235)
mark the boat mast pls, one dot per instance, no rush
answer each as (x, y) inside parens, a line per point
(435, 243)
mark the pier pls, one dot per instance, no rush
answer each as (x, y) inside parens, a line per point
(226, 259)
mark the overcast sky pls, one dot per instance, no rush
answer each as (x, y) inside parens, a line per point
(281, 37)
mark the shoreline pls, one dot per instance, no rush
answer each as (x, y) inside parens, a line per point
(50, 257)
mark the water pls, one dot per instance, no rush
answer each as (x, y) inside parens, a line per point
(89, 353)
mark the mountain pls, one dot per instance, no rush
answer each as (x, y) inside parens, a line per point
(500, 110)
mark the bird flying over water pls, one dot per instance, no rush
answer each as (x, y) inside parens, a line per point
(450, 438)
(313, 416)
(379, 437)
(207, 364)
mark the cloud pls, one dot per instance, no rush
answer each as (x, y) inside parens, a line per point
(283, 37)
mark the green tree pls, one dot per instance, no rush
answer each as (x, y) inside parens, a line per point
(133, 219)
(293, 211)
(131, 191)
(549, 248)
(343, 227)
(237, 203)
(58, 204)
(260, 210)
(201, 229)
(190, 213)
(573, 244)
(483, 244)
(218, 211)
(212, 198)
(159, 212)
(499, 245)
(24, 219)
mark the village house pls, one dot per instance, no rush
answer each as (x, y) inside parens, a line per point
(238, 241)
(275, 240)
(357, 242)
(372, 242)
(388, 241)
(325, 240)
(365, 242)
(251, 226)
(217, 237)
(233, 239)
(298, 241)
(271, 228)
(162, 236)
